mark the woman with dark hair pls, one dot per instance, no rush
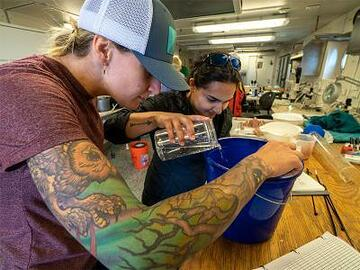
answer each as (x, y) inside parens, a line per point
(212, 82)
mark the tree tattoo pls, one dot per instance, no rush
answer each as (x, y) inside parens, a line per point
(91, 200)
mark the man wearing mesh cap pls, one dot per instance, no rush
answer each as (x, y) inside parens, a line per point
(61, 199)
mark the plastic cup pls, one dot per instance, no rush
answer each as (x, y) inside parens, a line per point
(305, 144)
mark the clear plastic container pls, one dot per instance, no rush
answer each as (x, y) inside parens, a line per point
(305, 144)
(205, 139)
(334, 162)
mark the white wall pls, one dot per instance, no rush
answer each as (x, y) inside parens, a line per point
(330, 68)
(17, 43)
(332, 59)
(282, 52)
(352, 70)
(342, 24)
(264, 75)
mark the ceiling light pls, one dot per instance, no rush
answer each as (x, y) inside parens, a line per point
(256, 48)
(210, 47)
(245, 39)
(268, 52)
(242, 54)
(312, 7)
(244, 25)
(284, 10)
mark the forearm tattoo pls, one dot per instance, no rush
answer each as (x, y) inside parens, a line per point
(145, 123)
(87, 195)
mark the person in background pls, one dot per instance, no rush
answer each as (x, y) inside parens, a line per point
(62, 203)
(177, 63)
(235, 104)
(212, 82)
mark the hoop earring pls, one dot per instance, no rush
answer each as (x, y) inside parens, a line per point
(104, 70)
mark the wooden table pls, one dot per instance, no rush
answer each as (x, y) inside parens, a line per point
(297, 226)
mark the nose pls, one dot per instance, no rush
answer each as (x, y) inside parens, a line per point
(219, 108)
(154, 86)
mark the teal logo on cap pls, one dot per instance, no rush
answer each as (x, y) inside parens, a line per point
(171, 40)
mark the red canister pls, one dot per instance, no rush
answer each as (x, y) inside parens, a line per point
(139, 151)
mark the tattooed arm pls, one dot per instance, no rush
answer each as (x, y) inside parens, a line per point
(155, 112)
(140, 123)
(91, 200)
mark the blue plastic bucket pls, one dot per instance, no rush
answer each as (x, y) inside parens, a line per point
(257, 221)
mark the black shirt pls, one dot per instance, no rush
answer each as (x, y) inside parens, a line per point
(168, 178)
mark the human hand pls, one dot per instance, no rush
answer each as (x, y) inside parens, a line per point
(179, 125)
(280, 158)
(253, 123)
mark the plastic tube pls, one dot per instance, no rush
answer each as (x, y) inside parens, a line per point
(334, 161)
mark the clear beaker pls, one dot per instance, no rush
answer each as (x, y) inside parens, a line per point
(205, 139)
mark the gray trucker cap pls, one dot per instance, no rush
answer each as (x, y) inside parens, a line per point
(144, 26)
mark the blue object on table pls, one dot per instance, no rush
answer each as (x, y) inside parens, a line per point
(337, 121)
(258, 219)
(314, 128)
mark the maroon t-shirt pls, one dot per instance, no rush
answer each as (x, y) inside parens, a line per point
(41, 105)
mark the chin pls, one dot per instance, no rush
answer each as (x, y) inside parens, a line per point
(134, 105)
(131, 105)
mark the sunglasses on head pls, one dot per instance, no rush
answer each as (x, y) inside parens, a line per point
(222, 59)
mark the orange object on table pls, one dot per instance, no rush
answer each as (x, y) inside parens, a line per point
(139, 151)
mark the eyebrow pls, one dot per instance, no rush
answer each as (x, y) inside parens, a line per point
(218, 99)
